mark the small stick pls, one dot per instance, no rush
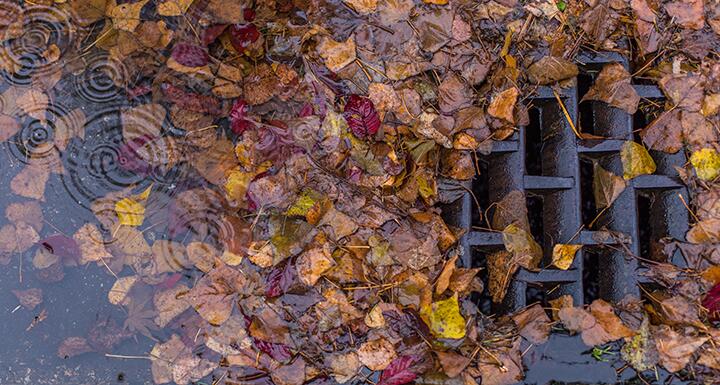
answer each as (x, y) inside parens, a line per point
(127, 357)
(567, 115)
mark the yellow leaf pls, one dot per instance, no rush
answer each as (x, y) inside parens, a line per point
(636, 160)
(526, 252)
(237, 184)
(174, 7)
(126, 17)
(706, 163)
(563, 255)
(130, 212)
(444, 318)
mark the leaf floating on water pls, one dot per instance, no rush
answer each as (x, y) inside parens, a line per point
(636, 160)
(706, 163)
(563, 255)
(118, 293)
(444, 318)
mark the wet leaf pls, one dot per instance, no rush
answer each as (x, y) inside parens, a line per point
(452, 363)
(214, 294)
(597, 326)
(91, 244)
(174, 361)
(675, 349)
(501, 269)
(706, 162)
(533, 324)
(443, 281)
(376, 354)
(30, 182)
(444, 318)
(174, 7)
(525, 251)
(664, 133)
(73, 346)
(563, 255)
(705, 231)
(337, 54)
(551, 69)
(344, 366)
(363, 7)
(125, 17)
(502, 106)
(118, 294)
(613, 87)
(170, 303)
(687, 13)
(453, 94)
(606, 186)
(29, 298)
(313, 263)
(361, 116)
(636, 160)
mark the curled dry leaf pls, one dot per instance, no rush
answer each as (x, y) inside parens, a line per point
(613, 87)
(636, 160)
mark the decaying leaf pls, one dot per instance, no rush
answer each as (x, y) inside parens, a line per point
(613, 86)
(551, 69)
(598, 326)
(213, 297)
(29, 298)
(376, 354)
(118, 294)
(125, 17)
(675, 349)
(533, 324)
(525, 251)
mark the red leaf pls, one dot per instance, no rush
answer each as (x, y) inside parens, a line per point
(242, 35)
(712, 302)
(190, 55)
(361, 116)
(398, 372)
(238, 121)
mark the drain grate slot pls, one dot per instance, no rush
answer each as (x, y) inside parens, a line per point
(554, 169)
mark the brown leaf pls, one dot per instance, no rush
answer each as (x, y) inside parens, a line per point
(511, 209)
(9, 126)
(30, 182)
(453, 94)
(443, 281)
(291, 374)
(214, 294)
(376, 354)
(551, 69)
(675, 349)
(684, 91)
(533, 324)
(462, 278)
(452, 363)
(613, 86)
(502, 105)
(29, 298)
(73, 346)
(313, 263)
(501, 269)
(170, 303)
(344, 366)
(145, 119)
(91, 244)
(28, 212)
(174, 361)
(606, 186)
(118, 294)
(688, 13)
(511, 371)
(69, 126)
(125, 16)
(337, 54)
(705, 231)
(664, 133)
(598, 326)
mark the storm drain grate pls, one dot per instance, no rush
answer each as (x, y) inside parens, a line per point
(553, 168)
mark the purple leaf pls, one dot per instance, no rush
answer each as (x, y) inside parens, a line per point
(398, 372)
(361, 116)
(190, 55)
(279, 352)
(712, 302)
(242, 35)
(62, 246)
(280, 280)
(238, 118)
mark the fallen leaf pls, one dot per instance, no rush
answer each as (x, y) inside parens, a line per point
(501, 269)
(361, 116)
(443, 280)
(374, 318)
(337, 54)
(563, 255)
(664, 133)
(313, 263)
(170, 303)
(69, 126)
(174, 361)
(376, 354)
(687, 13)
(533, 324)
(30, 182)
(675, 349)
(551, 69)
(143, 120)
(636, 160)
(9, 126)
(706, 163)
(399, 372)
(639, 351)
(606, 187)
(444, 318)
(598, 326)
(118, 294)
(705, 231)
(344, 366)
(130, 212)
(125, 17)
(452, 363)
(29, 298)
(613, 87)
(525, 251)
(363, 7)
(214, 294)
(502, 105)
(174, 7)
(453, 94)
(91, 244)
(34, 103)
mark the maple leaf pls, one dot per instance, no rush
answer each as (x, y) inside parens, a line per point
(140, 319)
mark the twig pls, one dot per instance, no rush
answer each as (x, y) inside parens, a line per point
(567, 115)
(128, 357)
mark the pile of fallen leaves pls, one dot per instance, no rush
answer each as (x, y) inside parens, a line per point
(312, 138)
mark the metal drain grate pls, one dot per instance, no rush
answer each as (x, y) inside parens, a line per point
(553, 168)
